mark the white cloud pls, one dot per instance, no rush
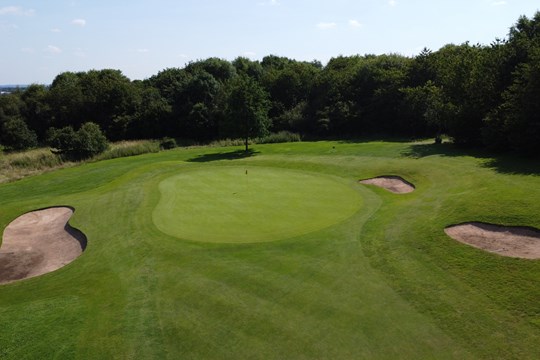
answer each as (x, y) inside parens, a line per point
(10, 10)
(142, 51)
(27, 50)
(182, 56)
(392, 2)
(355, 23)
(16, 10)
(269, 3)
(79, 22)
(56, 30)
(499, 3)
(249, 54)
(51, 49)
(326, 25)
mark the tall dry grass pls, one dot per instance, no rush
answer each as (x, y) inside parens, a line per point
(17, 165)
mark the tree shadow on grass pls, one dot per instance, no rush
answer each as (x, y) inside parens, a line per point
(373, 138)
(421, 150)
(514, 165)
(231, 155)
(509, 163)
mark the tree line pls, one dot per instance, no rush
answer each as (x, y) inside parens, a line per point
(479, 95)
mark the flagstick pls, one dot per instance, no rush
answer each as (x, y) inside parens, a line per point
(247, 182)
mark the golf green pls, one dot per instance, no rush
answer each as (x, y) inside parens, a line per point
(251, 204)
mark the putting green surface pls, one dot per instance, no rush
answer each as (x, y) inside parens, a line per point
(255, 204)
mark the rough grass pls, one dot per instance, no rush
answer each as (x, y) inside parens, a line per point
(129, 148)
(385, 283)
(17, 165)
(14, 166)
(273, 138)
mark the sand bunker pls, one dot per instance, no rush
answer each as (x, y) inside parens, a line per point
(39, 242)
(513, 241)
(392, 183)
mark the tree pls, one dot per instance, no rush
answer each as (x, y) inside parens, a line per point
(429, 102)
(10, 111)
(329, 87)
(109, 100)
(66, 100)
(221, 70)
(36, 109)
(91, 140)
(460, 73)
(16, 135)
(289, 83)
(376, 96)
(248, 67)
(170, 83)
(83, 143)
(152, 116)
(62, 140)
(247, 109)
(517, 118)
(516, 122)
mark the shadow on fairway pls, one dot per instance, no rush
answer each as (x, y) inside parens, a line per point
(502, 163)
(514, 165)
(231, 155)
(444, 149)
(367, 139)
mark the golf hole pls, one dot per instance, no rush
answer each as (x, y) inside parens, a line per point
(239, 205)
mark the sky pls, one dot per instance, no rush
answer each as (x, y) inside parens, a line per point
(40, 39)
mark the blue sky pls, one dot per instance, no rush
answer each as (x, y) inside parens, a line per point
(40, 39)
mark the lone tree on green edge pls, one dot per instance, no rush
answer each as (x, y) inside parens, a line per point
(246, 109)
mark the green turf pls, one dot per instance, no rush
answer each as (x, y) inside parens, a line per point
(251, 204)
(381, 280)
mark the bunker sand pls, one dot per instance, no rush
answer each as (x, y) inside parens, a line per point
(392, 183)
(39, 242)
(513, 241)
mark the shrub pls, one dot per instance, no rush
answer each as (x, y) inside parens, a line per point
(63, 140)
(84, 143)
(167, 143)
(90, 140)
(280, 137)
(16, 135)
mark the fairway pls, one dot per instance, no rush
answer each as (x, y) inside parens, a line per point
(240, 205)
(189, 257)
